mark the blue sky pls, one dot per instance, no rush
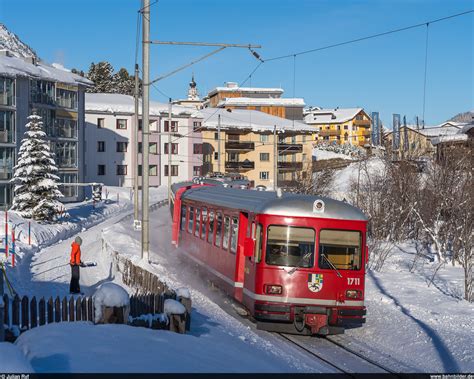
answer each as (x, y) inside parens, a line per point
(384, 74)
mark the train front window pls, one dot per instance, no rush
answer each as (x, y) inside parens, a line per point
(290, 246)
(339, 249)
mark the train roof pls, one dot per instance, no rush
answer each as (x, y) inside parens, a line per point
(267, 202)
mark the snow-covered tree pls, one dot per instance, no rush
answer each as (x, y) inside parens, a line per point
(35, 181)
(101, 74)
(123, 83)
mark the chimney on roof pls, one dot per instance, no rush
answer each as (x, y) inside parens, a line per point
(30, 59)
(231, 84)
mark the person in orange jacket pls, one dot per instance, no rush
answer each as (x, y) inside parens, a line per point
(75, 263)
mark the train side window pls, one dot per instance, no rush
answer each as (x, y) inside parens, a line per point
(204, 223)
(233, 237)
(225, 243)
(210, 233)
(258, 243)
(183, 217)
(198, 222)
(218, 239)
(191, 220)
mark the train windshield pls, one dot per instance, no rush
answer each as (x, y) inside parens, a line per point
(339, 249)
(290, 246)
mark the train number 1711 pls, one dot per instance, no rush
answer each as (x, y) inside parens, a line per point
(353, 281)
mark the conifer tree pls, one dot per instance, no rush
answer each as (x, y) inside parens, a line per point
(35, 181)
(101, 74)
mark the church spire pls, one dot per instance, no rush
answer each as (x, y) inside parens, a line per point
(192, 91)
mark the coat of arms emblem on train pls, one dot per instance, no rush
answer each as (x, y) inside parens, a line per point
(315, 282)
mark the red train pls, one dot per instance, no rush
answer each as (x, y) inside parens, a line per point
(296, 262)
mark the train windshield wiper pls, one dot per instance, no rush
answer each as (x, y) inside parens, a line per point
(331, 264)
(303, 258)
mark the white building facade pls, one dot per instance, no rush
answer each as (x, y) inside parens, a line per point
(110, 146)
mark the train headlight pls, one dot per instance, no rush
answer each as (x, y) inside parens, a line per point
(354, 294)
(273, 289)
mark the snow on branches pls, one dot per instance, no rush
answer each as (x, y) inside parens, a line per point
(35, 181)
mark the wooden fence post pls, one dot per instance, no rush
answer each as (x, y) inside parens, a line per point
(78, 309)
(57, 309)
(6, 314)
(84, 309)
(16, 311)
(71, 309)
(25, 319)
(90, 306)
(50, 310)
(33, 313)
(42, 311)
(64, 310)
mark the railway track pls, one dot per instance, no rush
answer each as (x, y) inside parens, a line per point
(345, 360)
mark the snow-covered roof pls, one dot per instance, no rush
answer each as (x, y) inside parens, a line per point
(234, 87)
(449, 138)
(458, 125)
(117, 103)
(20, 67)
(249, 119)
(331, 115)
(432, 131)
(252, 101)
(467, 127)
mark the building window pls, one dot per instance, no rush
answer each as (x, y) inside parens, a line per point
(7, 91)
(65, 128)
(216, 156)
(174, 126)
(122, 147)
(100, 146)
(42, 92)
(153, 148)
(174, 148)
(197, 170)
(197, 148)
(264, 175)
(216, 136)
(68, 191)
(263, 137)
(153, 170)
(7, 126)
(65, 154)
(6, 162)
(303, 138)
(174, 170)
(121, 169)
(66, 98)
(121, 123)
(140, 124)
(346, 127)
(264, 157)
(196, 126)
(101, 169)
(101, 123)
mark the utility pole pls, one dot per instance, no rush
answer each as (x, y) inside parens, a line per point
(219, 143)
(2, 330)
(169, 152)
(275, 158)
(135, 150)
(145, 128)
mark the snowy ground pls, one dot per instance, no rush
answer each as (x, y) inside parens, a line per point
(321, 155)
(410, 326)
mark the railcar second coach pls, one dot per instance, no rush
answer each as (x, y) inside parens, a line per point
(296, 262)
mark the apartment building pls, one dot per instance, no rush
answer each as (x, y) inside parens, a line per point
(267, 100)
(416, 142)
(110, 144)
(248, 142)
(340, 125)
(57, 95)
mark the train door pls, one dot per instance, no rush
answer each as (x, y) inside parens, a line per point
(252, 262)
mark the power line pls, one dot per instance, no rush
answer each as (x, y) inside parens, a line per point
(369, 36)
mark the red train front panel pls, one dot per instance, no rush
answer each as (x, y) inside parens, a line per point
(307, 271)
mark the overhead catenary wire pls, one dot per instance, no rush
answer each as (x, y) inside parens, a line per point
(426, 69)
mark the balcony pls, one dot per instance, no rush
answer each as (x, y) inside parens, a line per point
(239, 146)
(290, 148)
(290, 166)
(326, 133)
(239, 166)
(363, 123)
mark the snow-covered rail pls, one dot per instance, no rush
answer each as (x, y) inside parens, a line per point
(340, 358)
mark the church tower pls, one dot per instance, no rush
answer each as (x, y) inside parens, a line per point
(192, 91)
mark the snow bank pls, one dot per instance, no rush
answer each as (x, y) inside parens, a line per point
(174, 307)
(321, 155)
(122, 348)
(183, 292)
(12, 359)
(109, 295)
